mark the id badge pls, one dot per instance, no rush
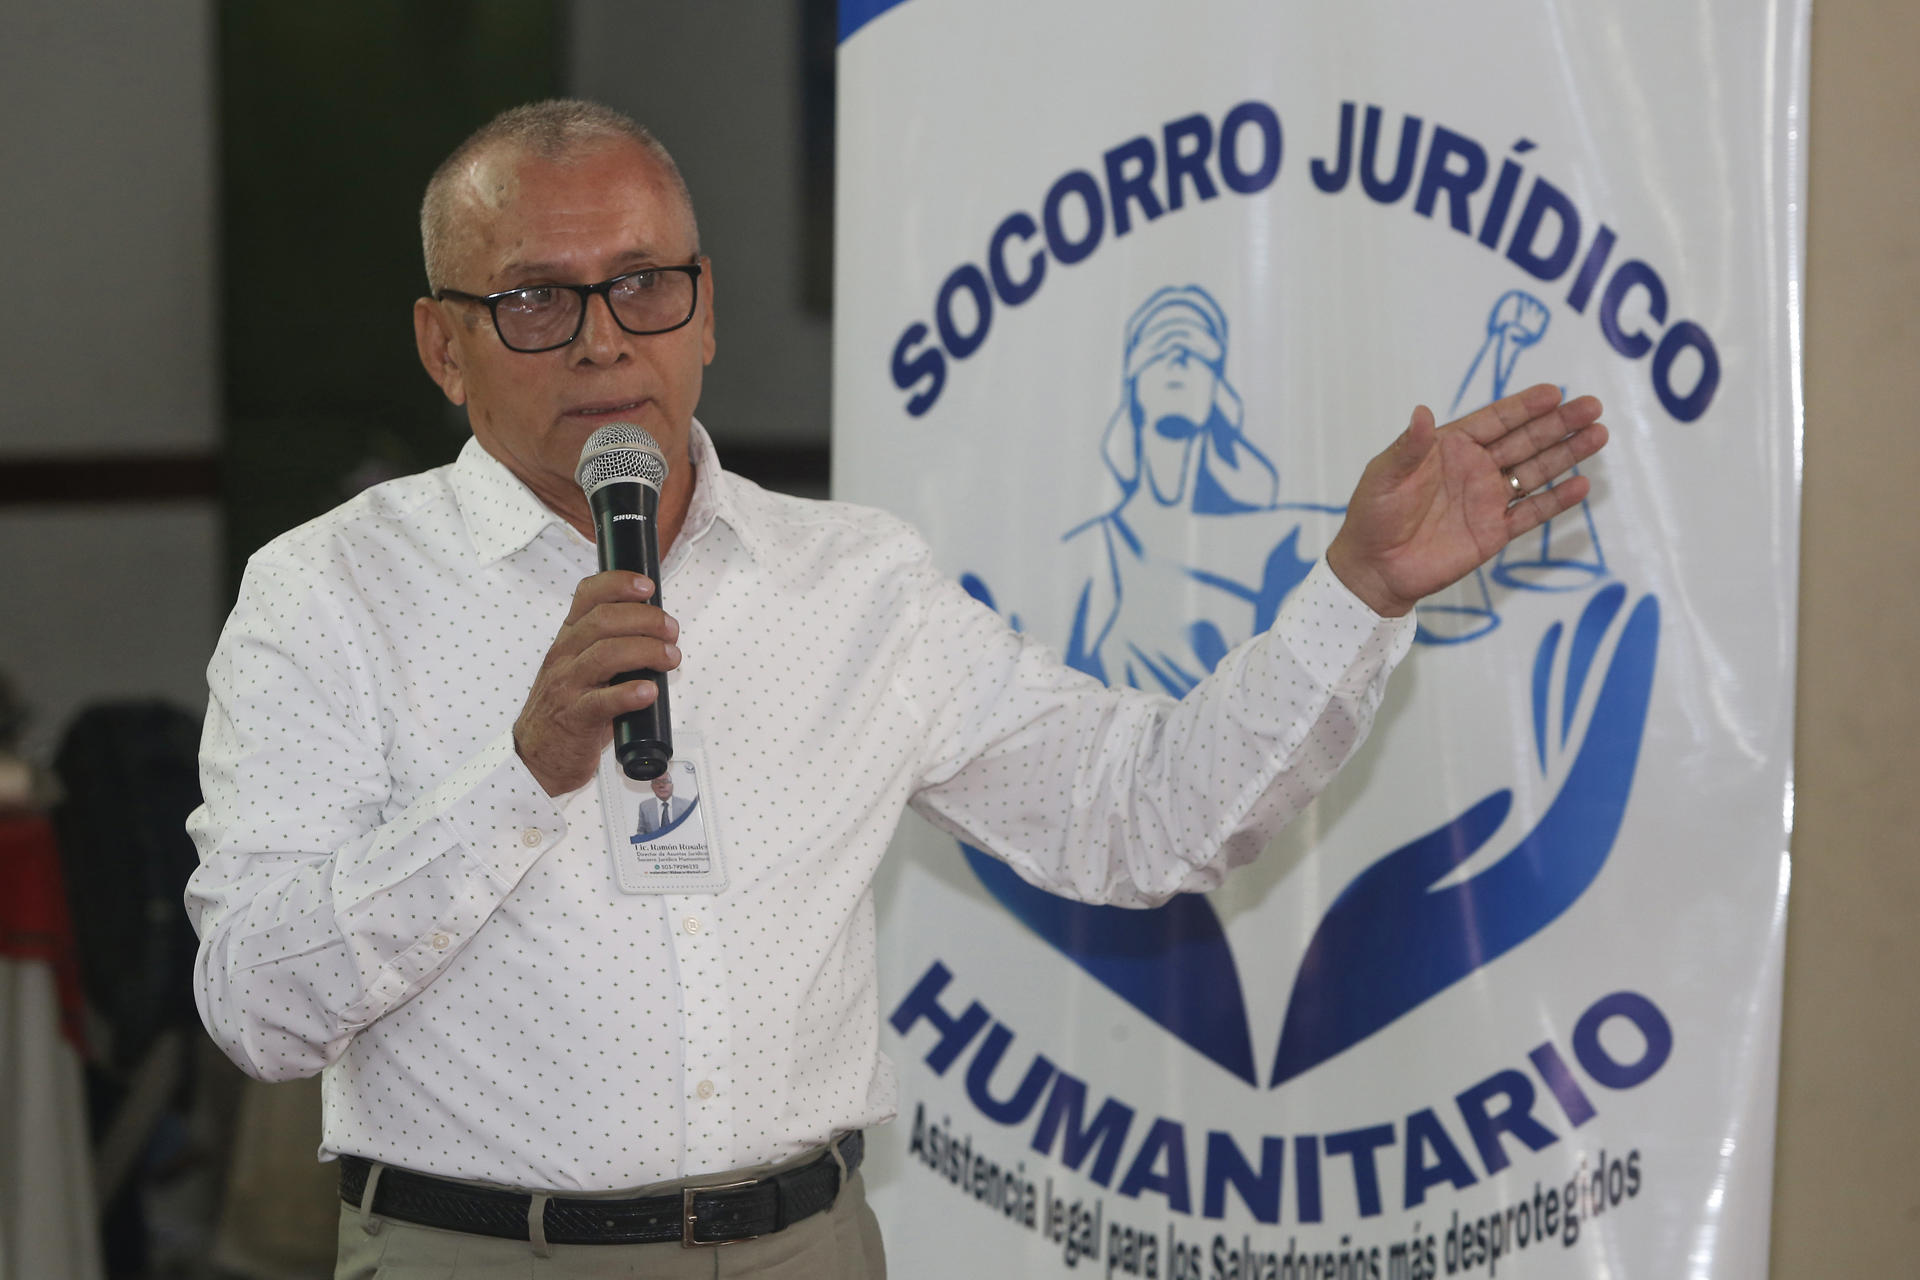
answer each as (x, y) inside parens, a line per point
(664, 835)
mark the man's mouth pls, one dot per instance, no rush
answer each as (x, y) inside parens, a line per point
(606, 410)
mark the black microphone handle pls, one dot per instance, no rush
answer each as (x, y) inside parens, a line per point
(625, 530)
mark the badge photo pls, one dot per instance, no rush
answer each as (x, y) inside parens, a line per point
(662, 834)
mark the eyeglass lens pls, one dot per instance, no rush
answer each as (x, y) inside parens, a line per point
(548, 316)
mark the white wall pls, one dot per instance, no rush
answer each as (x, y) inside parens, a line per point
(109, 218)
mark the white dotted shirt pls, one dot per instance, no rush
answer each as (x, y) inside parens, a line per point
(385, 891)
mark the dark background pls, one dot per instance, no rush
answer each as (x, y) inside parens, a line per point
(331, 117)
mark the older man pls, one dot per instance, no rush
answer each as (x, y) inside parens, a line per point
(409, 841)
(657, 810)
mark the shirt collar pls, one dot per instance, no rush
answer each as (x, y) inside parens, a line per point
(715, 497)
(502, 515)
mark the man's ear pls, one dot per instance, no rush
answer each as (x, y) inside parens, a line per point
(433, 339)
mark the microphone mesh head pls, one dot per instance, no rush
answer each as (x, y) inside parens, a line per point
(620, 451)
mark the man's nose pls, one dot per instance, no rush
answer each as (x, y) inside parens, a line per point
(601, 340)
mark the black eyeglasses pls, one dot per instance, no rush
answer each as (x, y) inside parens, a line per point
(542, 317)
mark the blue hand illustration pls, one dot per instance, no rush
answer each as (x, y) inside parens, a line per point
(1172, 962)
(1391, 941)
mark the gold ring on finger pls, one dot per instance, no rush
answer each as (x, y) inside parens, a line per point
(1513, 483)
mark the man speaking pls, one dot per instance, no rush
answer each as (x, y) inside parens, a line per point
(410, 848)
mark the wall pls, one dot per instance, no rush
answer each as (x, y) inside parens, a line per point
(1847, 1195)
(108, 216)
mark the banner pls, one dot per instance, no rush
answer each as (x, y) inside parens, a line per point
(1126, 296)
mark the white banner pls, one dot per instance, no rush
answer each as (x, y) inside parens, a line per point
(1127, 294)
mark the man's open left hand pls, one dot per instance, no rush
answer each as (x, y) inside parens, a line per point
(1437, 503)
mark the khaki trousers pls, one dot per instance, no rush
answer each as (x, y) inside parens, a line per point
(841, 1243)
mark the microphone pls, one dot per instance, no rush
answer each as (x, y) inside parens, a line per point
(621, 471)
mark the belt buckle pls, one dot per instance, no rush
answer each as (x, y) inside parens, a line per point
(688, 1219)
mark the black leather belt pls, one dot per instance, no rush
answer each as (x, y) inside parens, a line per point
(726, 1213)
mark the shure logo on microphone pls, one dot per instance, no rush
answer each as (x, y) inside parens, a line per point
(629, 516)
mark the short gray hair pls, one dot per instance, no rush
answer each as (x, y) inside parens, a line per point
(554, 129)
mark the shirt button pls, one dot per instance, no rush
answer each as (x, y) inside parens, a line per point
(692, 924)
(441, 941)
(532, 837)
(703, 1090)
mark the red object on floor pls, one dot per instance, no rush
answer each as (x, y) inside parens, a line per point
(34, 921)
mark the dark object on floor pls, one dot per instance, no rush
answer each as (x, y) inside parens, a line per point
(129, 776)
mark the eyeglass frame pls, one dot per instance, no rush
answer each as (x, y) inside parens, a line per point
(492, 301)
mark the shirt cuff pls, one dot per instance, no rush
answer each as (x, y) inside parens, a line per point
(500, 814)
(1336, 637)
